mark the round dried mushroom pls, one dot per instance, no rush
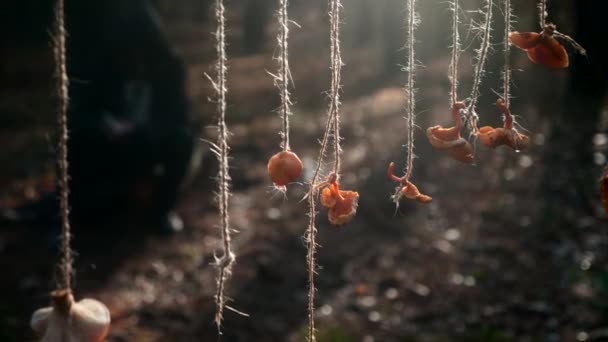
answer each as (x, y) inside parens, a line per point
(67, 321)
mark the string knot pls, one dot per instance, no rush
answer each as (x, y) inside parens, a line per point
(225, 261)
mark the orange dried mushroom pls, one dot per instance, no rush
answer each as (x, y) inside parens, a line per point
(542, 48)
(284, 168)
(506, 135)
(407, 189)
(449, 138)
(342, 204)
(524, 40)
(328, 200)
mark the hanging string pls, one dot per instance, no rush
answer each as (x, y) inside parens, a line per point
(311, 256)
(455, 54)
(332, 127)
(284, 76)
(63, 99)
(482, 54)
(409, 88)
(507, 49)
(336, 68)
(542, 13)
(226, 261)
(311, 231)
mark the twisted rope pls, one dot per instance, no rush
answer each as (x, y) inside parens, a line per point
(62, 158)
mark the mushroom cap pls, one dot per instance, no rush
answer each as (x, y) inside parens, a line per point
(40, 319)
(542, 48)
(550, 53)
(328, 200)
(410, 191)
(493, 137)
(444, 138)
(517, 141)
(86, 321)
(462, 153)
(284, 168)
(524, 40)
(92, 318)
(345, 208)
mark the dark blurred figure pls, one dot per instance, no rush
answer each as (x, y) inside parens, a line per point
(130, 133)
(258, 14)
(130, 140)
(577, 122)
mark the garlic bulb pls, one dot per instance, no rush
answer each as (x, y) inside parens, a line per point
(67, 321)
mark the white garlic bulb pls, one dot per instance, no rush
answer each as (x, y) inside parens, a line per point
(67, 321)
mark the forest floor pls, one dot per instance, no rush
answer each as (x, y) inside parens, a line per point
(483, 262)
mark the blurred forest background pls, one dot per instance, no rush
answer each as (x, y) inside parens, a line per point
(514, 248)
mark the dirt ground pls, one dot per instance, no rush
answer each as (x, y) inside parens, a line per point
(485, 261)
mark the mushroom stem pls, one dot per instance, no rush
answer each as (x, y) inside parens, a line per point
(456, 114)
(391, 174)
(62, 301)
(508, 118)
(336, 191)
